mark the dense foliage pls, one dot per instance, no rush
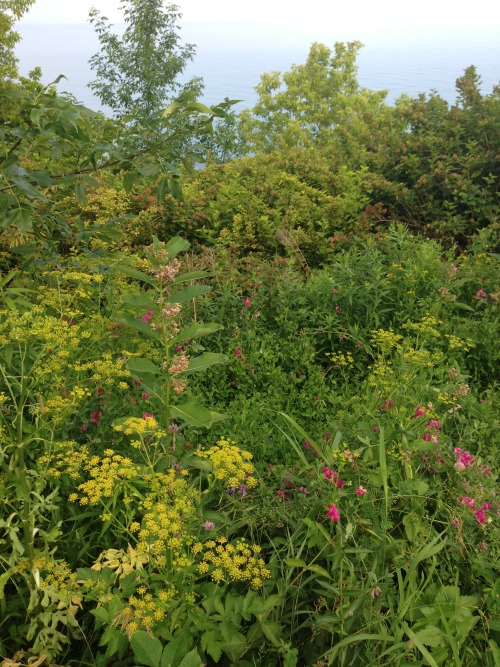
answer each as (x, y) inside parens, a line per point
(253, 422)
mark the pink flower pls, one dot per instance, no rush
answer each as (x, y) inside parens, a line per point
(209, 525)
(334, 291)
(332, 513)
(374, 429)
(467, 501)
(304, 490)
(375, 592)
(338, 309)
(84, 427)
(456, 523)
(360, 491)
(247, 303)
(286, 483)
(388, 404)
(481, 294)
(420, 412)
(149, 314)
(486, 506)
(480, 516)
(178, 348)
(333, 476)
(95, 417)
(148, 415)
(145, 394)
(238, 352)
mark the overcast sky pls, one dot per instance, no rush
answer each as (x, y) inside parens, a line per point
(362, 14)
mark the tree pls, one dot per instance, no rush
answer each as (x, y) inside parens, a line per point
(314, 103)
(10, 12)
(137, 73)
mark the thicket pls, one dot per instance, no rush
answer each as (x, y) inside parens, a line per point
(276, 445)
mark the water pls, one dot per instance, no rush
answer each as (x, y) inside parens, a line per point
(230, 57)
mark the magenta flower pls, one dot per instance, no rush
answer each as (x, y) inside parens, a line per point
(480, 516)
(388, 404)
(209, 525)
(145, 394)
(95, 417)
(332, 513)
(467, 501)
(334, 291)
(148, 415)
(420, 412)
(238, 352)
(247, 303)
(360, 491)
(149, 314)
(338, 309)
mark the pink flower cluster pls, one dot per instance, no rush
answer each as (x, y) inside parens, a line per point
(434, 428)
(464, 459)
(479, 513)
(307, 445)
(333, 476)
(333, 513)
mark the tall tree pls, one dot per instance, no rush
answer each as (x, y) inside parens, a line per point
(137, 74)
(10, 12)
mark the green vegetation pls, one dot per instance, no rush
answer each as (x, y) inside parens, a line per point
(249, 413)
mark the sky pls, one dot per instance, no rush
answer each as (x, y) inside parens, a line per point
(371, 15)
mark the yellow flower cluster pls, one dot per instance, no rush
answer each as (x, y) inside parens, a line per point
(421, 357)
(137, 426)
(104, 474)
(343, 457)
(457, 343)
(105, 371)
(59, 582)
(382, 377)
(165, 526)
(68, 459)
(145, 610)
(230, 464)
(228, 562)
(341, 359)
(385, 340)
(426, 327)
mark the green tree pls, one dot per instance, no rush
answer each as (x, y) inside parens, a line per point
(136, 74)
(10, 12)
(314, 104)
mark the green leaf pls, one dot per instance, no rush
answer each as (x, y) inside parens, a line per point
(235, 646)
(198, 106)
(176, 245)
(188, 293)
(147, 649)
(80, 193)
(198, 331)
(192, 659)
(272, 630)
(129, 320)
(132, 273)
(192, 413)
(140, 365)
(192, 275)
(22, 219)
(138, 301)
(205, 360)
(295, 562)
(218, 416)
(149, 168)
(175, 651)
(431, 635)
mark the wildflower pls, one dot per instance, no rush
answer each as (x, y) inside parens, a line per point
(338, 309)
(333, 476)
(304, 490)
(467, 501)
(456, 523)
(173, 428)
(420, 412)
(334, 291)
(148, 415)
(360, 491)
(374, 429)
(388, 404)
(480, 516)
(464, 459)
(332, 513)
(247, 303)
(375, 592)
(95, 417)
(209, 525)
(481, 294)
(178, 348)
(147, 317)
(238, 352)
(286, 483)
(84, 427)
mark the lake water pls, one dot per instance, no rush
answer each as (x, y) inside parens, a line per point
(230, 57)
